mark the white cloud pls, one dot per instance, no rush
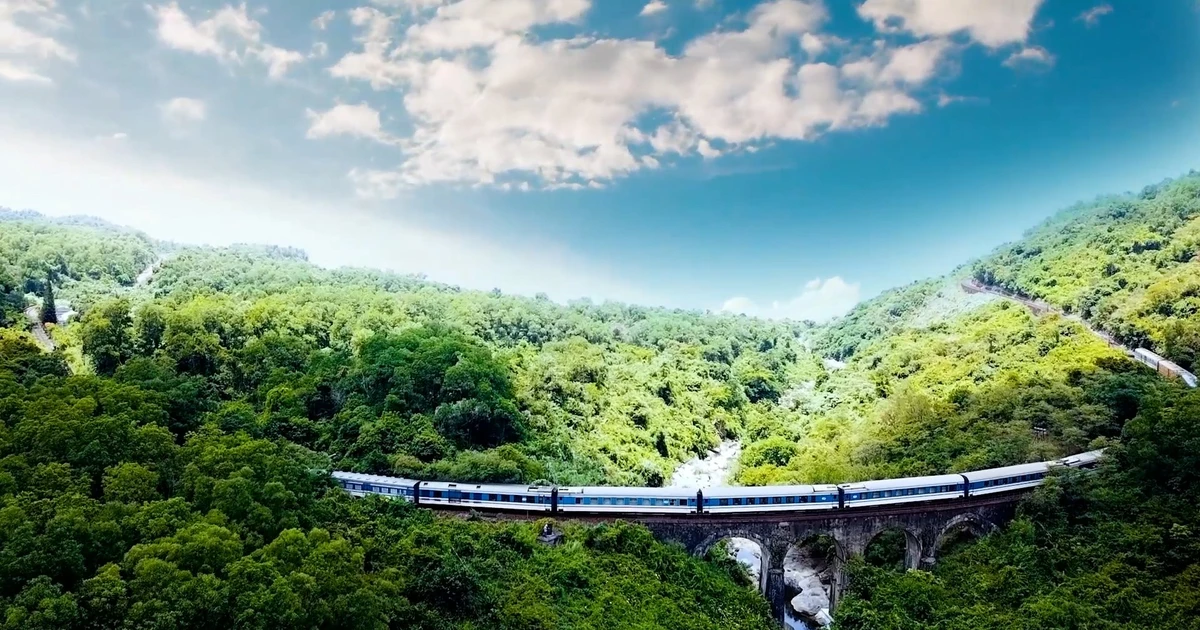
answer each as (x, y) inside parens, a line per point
(654, 6)
(946, 100)
(470, 24)
(1030, 56)
(230, 35)
(819, 301)
(992, 23)
(182, 111)
(361, 121)
(27, 41)
(278, 60)
(111, 181)
(319, 50)
(917, 63)
(321, 22)
(10, 71)
(490, 103)
(1092, 16)
(566, 112)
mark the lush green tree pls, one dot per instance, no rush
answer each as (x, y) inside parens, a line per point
(107, 335)
(131, 483)
(49, 309)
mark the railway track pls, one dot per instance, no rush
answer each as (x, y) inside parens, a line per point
(38, 330)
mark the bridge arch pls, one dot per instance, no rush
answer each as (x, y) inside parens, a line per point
(911, 552)
(966, 523)
(764, 551)
(811, 577)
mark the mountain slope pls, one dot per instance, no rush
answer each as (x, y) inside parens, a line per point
(1129, 264)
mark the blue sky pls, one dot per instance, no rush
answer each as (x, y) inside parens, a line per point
(784, 158)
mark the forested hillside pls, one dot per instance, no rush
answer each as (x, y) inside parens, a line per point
(1114, 549)
(180, 478)
(167, 465)
(1129, 264)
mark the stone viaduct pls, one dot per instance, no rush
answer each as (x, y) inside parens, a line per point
(926, 527)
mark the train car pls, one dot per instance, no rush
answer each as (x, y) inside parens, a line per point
(908, 490)
(1172, 369)
(768, 499)
(614, 499)
(359, 484)
(1081, 460)
(487, 496)
(1005, 479)
(1165, 367)
(1147, 357)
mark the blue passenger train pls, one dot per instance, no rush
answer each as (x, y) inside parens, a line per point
(613, 499)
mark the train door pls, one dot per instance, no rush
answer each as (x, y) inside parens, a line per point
(453, 496)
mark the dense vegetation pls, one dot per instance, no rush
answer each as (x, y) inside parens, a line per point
(123, 505)
(1115, 549)
(1130, 264)
(168, 464)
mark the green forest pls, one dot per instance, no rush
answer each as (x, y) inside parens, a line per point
(167, 464)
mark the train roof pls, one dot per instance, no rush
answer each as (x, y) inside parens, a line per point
(906, 482)
(622, 491)
(1147, 353)
(379, 479)
(766, 491)
(1081, 459)
(495, 488)
(1007, 471)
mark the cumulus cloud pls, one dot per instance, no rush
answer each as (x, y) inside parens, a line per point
(27, 41)
(182, 111)
(992, 23)
(654, 6)
(1030, 56)
(819, 300)
(361, 121)
(491, 105)
(1092, 16)
(230, 35)
(491, 101)
(321, 22)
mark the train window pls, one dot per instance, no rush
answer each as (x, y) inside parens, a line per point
(777, 500)
(724, 501)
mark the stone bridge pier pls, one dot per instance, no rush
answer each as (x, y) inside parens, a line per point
(926, 529)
